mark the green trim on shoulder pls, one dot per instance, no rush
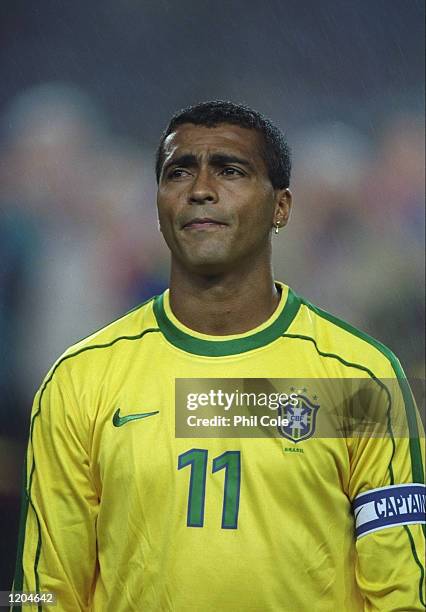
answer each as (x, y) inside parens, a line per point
(410, 409)
(19, 573)
(363, 368)
(222, 348)
(117, 319)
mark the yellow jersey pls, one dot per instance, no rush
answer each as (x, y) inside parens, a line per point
(120, 514)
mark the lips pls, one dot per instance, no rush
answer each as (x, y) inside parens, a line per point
(203, 223)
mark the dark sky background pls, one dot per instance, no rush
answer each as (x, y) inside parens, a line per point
(292, 60)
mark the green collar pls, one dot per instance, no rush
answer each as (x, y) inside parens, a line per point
(237, 344)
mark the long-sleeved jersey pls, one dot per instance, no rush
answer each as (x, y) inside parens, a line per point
(120, 513)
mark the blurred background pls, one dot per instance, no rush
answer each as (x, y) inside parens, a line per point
(87, 88)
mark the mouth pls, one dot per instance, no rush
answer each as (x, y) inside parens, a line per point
(203, 224)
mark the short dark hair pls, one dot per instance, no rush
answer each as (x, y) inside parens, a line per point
(275, 151)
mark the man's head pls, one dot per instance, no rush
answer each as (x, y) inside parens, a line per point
(223, 172)
(274, 148)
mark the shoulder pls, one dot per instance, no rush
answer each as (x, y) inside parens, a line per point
(111, 338)
(334, 336)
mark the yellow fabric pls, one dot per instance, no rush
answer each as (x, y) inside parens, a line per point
(106, 524)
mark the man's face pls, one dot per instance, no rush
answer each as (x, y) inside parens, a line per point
(216, 204)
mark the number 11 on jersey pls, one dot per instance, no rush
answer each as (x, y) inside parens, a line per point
(230, 461)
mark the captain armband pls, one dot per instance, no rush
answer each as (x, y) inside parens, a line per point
(377, 509)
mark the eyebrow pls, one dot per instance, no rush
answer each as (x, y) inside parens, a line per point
(216, 159)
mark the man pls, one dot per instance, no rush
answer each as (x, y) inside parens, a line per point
(121, 514)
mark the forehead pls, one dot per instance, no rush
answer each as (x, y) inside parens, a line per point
(225, 138)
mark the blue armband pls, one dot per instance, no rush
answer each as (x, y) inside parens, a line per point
(402, 504)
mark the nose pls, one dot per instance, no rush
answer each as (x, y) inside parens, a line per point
(202, 189)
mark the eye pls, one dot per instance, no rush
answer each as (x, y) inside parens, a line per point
(177, 173)
(231, 171)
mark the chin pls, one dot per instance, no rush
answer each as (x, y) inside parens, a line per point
(207, 265)
(206, 254)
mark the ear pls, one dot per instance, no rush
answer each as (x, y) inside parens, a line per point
(283, 203)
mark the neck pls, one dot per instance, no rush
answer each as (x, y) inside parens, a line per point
(224, 304)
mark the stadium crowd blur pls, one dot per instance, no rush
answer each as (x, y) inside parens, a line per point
(79, 242)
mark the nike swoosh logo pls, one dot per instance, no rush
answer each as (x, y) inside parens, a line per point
(118, 420)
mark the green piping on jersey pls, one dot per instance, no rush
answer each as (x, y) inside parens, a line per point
(372, 376)
(19, 575)
(417, 560)
(222, 348)
(410, 409)
(391, 476)
(137, 307)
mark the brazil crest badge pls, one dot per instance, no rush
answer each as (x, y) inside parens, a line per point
(301, 419)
